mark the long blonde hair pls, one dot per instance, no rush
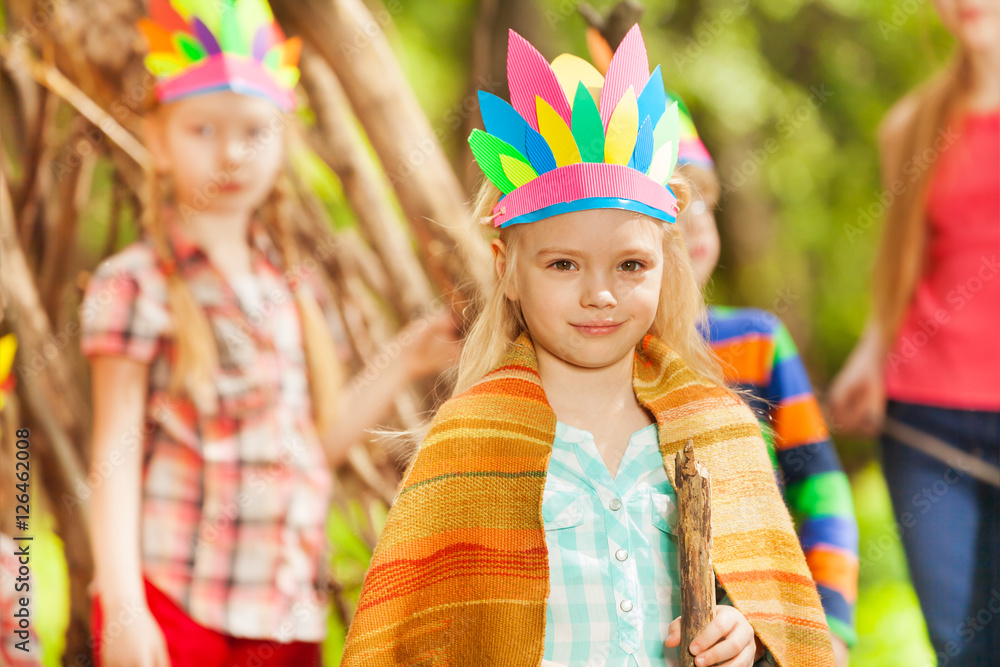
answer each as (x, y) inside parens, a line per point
(197, 358)
(499, 321)
(899, 259)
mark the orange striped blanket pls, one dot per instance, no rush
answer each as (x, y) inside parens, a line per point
(460, 573)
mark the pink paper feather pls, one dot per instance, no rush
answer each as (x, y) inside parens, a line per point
(529, 74)
(629, 67)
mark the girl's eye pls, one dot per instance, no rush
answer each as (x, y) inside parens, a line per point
(631, 265)
(562, 265)
(206, 131)
(255, 132)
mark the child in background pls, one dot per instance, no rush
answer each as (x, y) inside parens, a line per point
(537, 523)
(215, 374)
(759, 357)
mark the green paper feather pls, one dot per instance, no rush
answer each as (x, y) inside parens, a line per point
(231, 38)
(487, 149)
(189, 46)
(588, 130)
(517, 172)
(668, 130)
(272, 59)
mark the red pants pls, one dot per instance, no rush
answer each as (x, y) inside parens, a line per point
(190, 644)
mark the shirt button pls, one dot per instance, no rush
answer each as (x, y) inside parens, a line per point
(621, 554)
(615, 504)
(626, 605)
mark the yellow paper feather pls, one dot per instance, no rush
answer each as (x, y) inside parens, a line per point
(557, 134)
(570, 70)
(623, 128)
(517, 171)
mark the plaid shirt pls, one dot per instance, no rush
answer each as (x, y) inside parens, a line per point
(234, 505)
(613, 562)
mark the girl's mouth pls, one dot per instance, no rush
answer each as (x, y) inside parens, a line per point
(597, 328)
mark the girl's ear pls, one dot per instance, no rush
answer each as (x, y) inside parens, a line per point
(499, 249)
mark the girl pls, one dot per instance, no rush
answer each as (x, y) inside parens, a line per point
(926, 367)
(536, 522)
(759, 356)
(217, 412)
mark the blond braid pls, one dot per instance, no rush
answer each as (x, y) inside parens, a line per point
(325, 373)
(197, 352)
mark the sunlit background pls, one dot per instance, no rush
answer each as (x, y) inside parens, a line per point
(787, 95)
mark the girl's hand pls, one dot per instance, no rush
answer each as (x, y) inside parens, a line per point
(728, 641)
(429, 345)
(857, 395)
(140, 643)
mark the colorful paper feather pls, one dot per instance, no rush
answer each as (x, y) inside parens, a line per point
(690, 149)
(565, 113)
(198, 46)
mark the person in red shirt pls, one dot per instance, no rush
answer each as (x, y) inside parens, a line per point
(926, 372)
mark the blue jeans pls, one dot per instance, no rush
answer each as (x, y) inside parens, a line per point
(949, 524)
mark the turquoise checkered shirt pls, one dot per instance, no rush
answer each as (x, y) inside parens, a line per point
(612, 554)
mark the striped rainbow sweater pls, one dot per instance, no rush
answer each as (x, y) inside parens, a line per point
(758, 355)
(460, 573)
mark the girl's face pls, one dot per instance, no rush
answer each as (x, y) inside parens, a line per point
(223, 151)
(588, 283)
(974, 23)
(697, 223)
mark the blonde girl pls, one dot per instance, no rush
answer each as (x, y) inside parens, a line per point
(537, 524)
(216, 371)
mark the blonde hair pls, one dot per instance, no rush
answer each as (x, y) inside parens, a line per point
(900, 255)
(197, 357)
(499, 321)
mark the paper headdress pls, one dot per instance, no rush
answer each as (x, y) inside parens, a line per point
(692, 150)
(573, 140)
(202, 46)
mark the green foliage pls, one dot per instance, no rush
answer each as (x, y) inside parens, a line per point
(787, 95)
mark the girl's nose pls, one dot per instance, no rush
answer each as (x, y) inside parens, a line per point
(598, 294)
(233, 150)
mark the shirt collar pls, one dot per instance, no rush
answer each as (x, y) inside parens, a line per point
(187, 250)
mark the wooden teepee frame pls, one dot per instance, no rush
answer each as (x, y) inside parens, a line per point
(71, 83)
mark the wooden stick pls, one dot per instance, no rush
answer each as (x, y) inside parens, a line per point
(694, 537)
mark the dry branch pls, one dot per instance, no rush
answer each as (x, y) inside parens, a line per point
(694, 539)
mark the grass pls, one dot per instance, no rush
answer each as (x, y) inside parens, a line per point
(891, 629)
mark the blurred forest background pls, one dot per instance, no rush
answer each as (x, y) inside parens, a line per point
(787, 96)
